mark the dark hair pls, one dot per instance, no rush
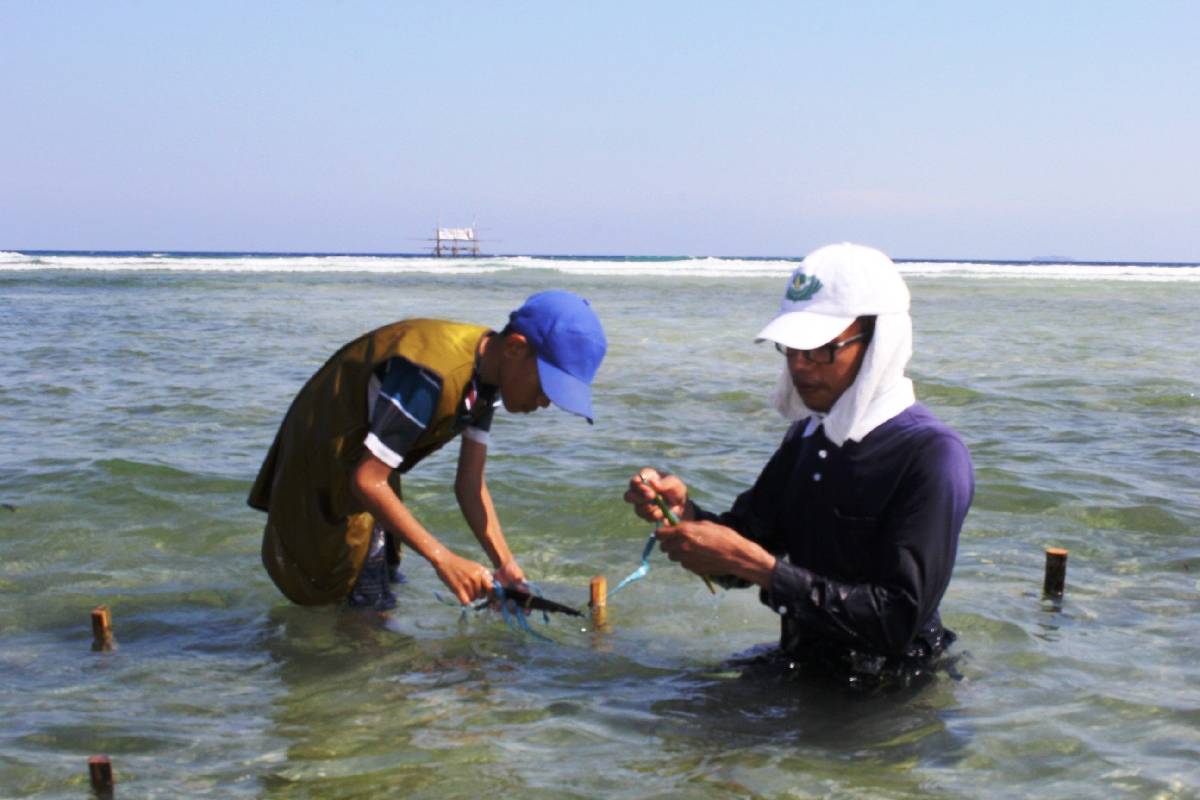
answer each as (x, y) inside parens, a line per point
(509, 330)
(868, 327)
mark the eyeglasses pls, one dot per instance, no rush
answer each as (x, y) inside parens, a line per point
(825, 354)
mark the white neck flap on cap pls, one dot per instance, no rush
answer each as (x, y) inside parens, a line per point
(879, 392)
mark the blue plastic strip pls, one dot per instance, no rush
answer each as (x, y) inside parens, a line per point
(514, 617)
(641, 571)
(515, 613)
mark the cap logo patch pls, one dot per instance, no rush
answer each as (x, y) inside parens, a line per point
(803, 287)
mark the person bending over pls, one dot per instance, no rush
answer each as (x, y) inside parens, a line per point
(330, 483)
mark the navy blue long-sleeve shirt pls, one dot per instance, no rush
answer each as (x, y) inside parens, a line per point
(869, 531)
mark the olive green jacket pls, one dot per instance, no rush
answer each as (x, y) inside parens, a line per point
(317, 531)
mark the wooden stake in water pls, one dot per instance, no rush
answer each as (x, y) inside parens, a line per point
(1056, 572)
(599, 592)
(599, 603)
(102, 637)
(674, 520)
(100, 771)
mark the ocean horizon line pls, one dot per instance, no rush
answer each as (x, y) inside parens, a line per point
(164, 253)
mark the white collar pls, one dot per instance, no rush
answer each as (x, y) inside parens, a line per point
(814, 422)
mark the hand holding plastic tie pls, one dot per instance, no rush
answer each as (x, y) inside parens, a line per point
(674, 520)
(641, 571)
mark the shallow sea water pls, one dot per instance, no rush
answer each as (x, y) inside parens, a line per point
(135, 408)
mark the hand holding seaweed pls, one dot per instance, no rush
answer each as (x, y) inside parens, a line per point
(657, 498)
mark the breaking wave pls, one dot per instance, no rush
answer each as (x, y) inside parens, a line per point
(583, 265)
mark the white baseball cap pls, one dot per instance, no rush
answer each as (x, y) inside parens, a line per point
(833, 286)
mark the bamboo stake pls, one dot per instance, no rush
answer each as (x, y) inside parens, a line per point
(1056, 572)
(599, 602)
(100, 771)
(599, 592)
(102, 637)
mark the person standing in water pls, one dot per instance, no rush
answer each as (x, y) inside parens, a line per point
(330, 483)
(851, 529)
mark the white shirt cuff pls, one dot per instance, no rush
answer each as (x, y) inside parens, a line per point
(381, 451)
(476, 435)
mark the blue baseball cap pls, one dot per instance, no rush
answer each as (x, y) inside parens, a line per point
(569, 342)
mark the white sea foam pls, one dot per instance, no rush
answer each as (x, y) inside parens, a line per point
(171, 262)
(681, 267)
(1047, 270)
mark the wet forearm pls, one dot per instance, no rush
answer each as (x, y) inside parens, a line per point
(370, 486)
(471, 491)
(480, 514)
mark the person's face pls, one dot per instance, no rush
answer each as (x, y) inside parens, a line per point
(520, 386)
(820, 385)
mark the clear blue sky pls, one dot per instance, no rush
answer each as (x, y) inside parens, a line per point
(931, 129)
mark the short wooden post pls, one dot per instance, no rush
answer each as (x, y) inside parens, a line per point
(100, 770)
(599, 601)
(1056, 572)
(599, 592)
(102, 637)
